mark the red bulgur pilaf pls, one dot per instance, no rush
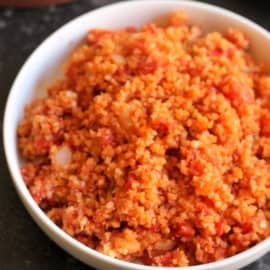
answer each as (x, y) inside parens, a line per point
(156, 145)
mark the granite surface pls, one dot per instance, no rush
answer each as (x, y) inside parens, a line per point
(23, 246)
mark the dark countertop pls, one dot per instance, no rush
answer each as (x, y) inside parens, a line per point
(23, 246)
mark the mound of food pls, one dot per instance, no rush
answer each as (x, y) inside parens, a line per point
(156, 145)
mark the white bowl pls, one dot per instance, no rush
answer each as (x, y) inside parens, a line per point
(46, 63)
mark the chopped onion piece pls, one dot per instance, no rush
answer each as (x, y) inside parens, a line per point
(63, 156)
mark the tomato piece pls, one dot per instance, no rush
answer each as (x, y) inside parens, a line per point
(220, 227)
(37, 197)
(146, 260)
(137, 45)
(203, 209)
(237, 38)
(155, 227)
(166, 259)
(208, 202)
(238, 94)
(82, 238)
(229, 53)
(162, 128)
(217, 52)
(194, 161)
(196, 168)
(185, 229)
(246, 227)
(107, 138)
(130, 181)
(147, 67)
(265, 125)
(41, 144)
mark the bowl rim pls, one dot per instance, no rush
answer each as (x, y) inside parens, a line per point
(51, 229)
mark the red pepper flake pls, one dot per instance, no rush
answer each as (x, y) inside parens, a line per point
(185, 229)
(265, 125)
(246, 227)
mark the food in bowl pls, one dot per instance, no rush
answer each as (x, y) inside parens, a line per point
(155, 145)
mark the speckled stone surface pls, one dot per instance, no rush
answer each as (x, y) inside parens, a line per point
(23, 246)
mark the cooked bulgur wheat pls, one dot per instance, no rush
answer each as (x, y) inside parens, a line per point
(155, 147)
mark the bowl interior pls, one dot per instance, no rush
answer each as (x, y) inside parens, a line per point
(47, 62)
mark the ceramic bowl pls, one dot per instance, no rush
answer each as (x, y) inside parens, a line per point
(45, 65)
